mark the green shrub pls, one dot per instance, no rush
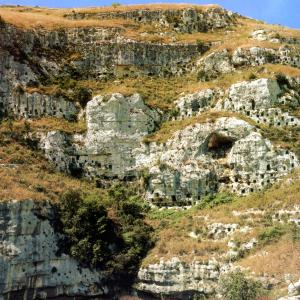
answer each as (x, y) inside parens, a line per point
(252, 76)
(115, 244)
(200, 43)
(213, 200)
(115, 4)
(2, 22)
(271, 234)
(89, 231)
(236, 286)
(295, 233)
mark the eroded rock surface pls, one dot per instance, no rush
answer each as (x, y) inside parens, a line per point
(31, 264)
(222, 62)
(180, 20)
(266, 101)
(209, 157)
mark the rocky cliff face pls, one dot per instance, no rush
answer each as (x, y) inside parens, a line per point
(228, 133)
(186, 20)
(209, 156)
(32, 265)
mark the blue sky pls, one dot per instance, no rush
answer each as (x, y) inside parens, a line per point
(284, 12)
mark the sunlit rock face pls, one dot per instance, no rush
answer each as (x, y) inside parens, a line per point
(186, 20)
(262, 100)
(207, 157)
(223, 62)
(228, 154)
(116, 125)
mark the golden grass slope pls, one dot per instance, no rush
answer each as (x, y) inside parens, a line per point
(34, 17)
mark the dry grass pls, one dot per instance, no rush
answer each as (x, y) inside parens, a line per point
(240, 36)
(151, 7)
(25, 174)
(45, 125)
(172, 228)
(276, 260)
(32, 17)
(163, 92)
(169, 128)
(285, 194)
(51, 19)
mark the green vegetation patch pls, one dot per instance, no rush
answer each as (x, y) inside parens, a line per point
(108, 233)
(236, 286)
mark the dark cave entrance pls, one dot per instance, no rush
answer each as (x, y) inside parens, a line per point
(219, 145)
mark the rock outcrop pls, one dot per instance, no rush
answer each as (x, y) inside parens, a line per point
(32, 265)
(186, 20)
(266, 101)
(175, 278)
(30, 58)
(198, 160)
(273, 37)
(208, 142)
(212, 156)
(115, 127)
(222, 62)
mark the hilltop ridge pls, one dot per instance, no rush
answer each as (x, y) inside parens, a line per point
(168, 126)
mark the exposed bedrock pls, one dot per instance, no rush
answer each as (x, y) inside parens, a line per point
(222, 62)
(266, 101)
(32, 265)
(210, 156)
(33, 58)
(115, 126)
(228, 154)
(180, 20)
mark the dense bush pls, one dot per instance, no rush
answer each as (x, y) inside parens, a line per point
(213, 200)
(236, 286)
(114, 242)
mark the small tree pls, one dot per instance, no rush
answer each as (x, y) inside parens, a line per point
(236, 286)
(115, 4)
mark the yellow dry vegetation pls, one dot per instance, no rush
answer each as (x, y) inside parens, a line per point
(173, 228)
(33, 17)
(151, 7)
(25, 173)
(44, 124)
(276, 260)
(27, 18)
(169, 128)
(163, 92)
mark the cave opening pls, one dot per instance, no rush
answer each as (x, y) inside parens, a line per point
(219, 145)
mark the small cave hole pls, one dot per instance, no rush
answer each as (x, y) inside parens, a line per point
(219, 145)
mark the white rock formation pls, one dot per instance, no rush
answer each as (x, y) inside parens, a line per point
(222, 62)
(260, 99)
(209, 157)
(175, 277)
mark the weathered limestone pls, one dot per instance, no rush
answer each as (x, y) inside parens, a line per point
(180, 20)
(31, 266)
(16, 102)
(273, 37)
(262, 100)
(193, 104)
(115, 127)
(209, 157)
(223, 62)
(30, 58)
(183, 280)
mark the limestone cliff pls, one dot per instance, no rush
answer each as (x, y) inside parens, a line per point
(32, 266)
(195, 106)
